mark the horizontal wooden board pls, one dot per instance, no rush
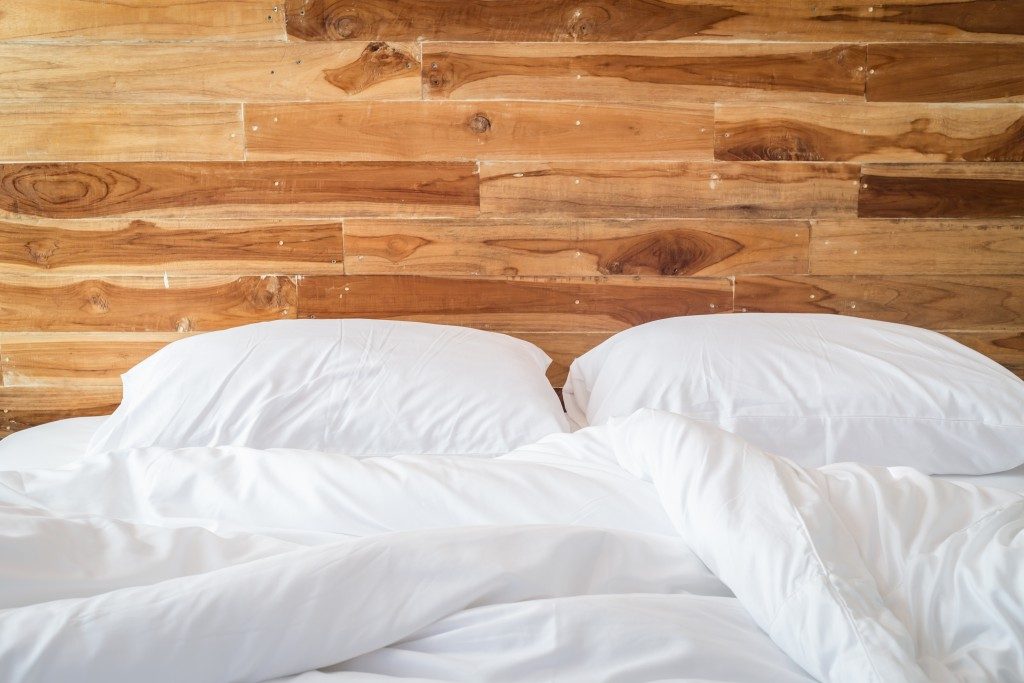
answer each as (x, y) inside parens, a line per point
(648, 189)
(909, 247)
(643, 72)
(24, 407)
(938, 302)
(118, 247)
(939, 72)
(142, 303)
(680, 247)
(1005, 347)
(266, 189)
(534, 305)
(141, 20)
(177, 72)
(442, 131)
(954, 190)
(620, 20)
(75, 359)
(125, 132)
(869, 132)
(563, 348)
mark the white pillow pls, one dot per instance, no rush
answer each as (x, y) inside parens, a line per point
(815, 388)
(360, 387)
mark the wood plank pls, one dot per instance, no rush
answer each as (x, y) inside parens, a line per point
(235, 72)
(534, 305)
(563, 348)
(268, 189)
(669, 190)
(683, 247)
(48, 20)
(443, 131)
(939, 72)
(142, 303)
(126, 132)
(1005, 347)
(939, 302)
(75, 359)
(177, 247)
(911, 247)
(643, 72)
(869, 132)
(956, 190)
(25, 407)
(621, 20)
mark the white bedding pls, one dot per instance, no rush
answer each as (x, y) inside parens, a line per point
(584, 557)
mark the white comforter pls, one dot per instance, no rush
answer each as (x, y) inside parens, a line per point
(584, 557)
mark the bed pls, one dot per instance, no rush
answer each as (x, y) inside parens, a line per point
(457, 537)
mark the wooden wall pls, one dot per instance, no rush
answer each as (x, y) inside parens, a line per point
(556, 169)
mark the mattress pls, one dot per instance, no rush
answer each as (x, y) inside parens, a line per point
(63, 442)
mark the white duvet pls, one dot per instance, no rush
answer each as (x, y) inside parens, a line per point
(651, 548)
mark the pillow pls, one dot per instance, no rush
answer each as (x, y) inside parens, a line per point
(360, 387)
(816, 388)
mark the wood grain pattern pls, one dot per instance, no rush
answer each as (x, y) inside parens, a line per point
(671, 190)
(75, 359)
(961, 72)
(1005, 347)
(908, 247)
(142, 303)
(618, 20)
(869, 132)
(679, 247)
(541, 305)
(160, 72)
(127, 132)
(177, 247)
(442, 131)
(939, 302)
(643, 72)
(29, 406)
(99, 20)
(956, 190)
(292, 190)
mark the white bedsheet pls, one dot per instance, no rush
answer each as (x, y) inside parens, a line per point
(580, 558)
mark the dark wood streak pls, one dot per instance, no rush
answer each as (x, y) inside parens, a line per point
(940, 72)
(832, 70)
(378, 62)
(941, 191)
(978, 16)
(485, 20)
(79, 190)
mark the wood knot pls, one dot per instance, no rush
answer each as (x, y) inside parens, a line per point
(41, 250)
(479, 124)
(583, 21)
(184, 325)
(344, 27)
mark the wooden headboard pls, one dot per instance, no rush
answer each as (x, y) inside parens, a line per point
(555, 169)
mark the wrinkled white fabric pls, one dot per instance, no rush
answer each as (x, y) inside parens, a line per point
(583, 557)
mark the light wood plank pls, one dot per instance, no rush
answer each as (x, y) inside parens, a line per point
(913, 247)
(869, 132)
(24, 407)
(32, 303)
(938, 302)
(954, 190)
(236, 72)
(1005, 347)
(670, 190)
(522, 305)
(682, 247)
(644, 72)
(443, 131)
(939, 72)
(266, 189)
(75, 359)
(124, 20)
(120, 132)
(177, 247)
(620, 20)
